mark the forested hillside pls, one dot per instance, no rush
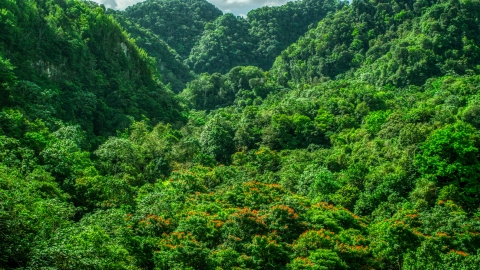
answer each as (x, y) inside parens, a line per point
(68, 61)
(257, 39)
(399, 43)
(180, 23)
(170, 65)
(358, 149)
(211, 42)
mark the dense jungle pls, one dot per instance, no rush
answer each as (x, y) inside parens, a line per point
(317, 135)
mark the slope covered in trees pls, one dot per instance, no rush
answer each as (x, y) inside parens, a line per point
(212, 42)
(180, 23)
(169, 63)
(224, 44)
(69, 61)
(359, 149)
(257, 39)
(399, 43)
(276, 28)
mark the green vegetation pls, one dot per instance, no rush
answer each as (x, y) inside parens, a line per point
(180, 23)
(225, 43)
(169, 63)
(399, 43)
(212, 42)
(69, 61)
(358, 149)
(259, 38)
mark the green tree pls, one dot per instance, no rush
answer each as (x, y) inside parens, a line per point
(217, 138)
(450, 156)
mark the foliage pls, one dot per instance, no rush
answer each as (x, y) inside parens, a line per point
(258, 39)
(243, 85)
(224, 44)
(359, 149)
(74, 63)
(169, 64)
(395, 43)
(180, 23)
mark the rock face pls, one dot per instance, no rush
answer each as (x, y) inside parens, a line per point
(102, 78)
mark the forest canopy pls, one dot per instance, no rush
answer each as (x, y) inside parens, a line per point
(314, 135)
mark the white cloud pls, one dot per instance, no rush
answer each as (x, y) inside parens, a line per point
(240, 7)
(117, 4)
(237, 7)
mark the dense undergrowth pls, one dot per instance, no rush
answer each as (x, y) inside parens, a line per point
(359, 149)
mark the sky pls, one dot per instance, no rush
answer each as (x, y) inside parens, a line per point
(237, 7)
